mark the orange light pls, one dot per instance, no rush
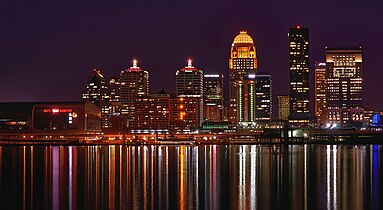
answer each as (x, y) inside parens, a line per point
(181, 99)
(181, 106)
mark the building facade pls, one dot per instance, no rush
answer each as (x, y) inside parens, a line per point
(134, 82)
(242, 62)
(320, 92)
(283, 107)
(344, 86)
(213, 90)
(299, 75)
(96, 92)
(189, 84)
(45, 118)
(263, 97)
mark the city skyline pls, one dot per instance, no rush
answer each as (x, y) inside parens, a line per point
(47, 64)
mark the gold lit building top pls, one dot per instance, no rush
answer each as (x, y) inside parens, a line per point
(243, 38)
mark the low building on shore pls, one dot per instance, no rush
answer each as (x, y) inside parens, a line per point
(50, 117)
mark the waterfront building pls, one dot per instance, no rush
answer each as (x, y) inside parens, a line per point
(299, 76)
(263, 97)
(213, 90)
(246, 107)
(283, 107)
(134, 82)
(189, 84)
(344, 87)
(242, 62)
(152, 114)
(320, 92)
(46, 118)
(96, 92)
(185, 114)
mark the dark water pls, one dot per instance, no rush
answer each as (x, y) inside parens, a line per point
(187, 177)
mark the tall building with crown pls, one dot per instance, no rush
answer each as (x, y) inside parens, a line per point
(134, 82)
(242, 65)
(189, 84)
(96, 92)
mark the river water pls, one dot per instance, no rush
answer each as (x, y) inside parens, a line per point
(192, 177)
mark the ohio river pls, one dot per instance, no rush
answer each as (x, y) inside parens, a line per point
(192, 177)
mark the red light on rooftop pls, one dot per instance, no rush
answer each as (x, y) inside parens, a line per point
(298, 26)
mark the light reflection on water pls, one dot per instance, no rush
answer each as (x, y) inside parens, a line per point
(192, 177)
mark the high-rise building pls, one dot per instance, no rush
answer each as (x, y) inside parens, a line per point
(299, 75)
(242, 62)
(320, 92)
(189, 84)
(96, 92)
(263, 97)
(114, 96)
(213, 97)
(134, 82)
(344, 87)
(283, 107)
(189, 81)
(246, 100)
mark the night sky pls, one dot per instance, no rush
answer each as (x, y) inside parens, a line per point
(49, 48)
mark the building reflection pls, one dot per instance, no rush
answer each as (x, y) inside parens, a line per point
(186, 177)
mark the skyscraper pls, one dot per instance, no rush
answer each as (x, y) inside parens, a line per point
(96, 92)
(242, 62)
(263, 98)
(299, 75)
(320, 92)
(283, 107)
(189, 81)
(344, 86)
(134, 82)
(189, 84)
(213, 97)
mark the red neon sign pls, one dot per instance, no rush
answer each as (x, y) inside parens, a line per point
(57, 110)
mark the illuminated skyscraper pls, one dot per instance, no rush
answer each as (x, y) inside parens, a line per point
(299, 75)
(283, 107)
(242, 63)
(320, 92)
(189, 81)
(96, 92)
(213, 97)
(134, 82)
(189, 84)
(344, 86)
(263, 97)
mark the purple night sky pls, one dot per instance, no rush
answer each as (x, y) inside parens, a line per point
(49, 48)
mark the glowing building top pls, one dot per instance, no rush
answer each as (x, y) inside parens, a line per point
(243, 47)
(243, 38)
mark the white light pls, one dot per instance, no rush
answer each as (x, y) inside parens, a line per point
(251, 76)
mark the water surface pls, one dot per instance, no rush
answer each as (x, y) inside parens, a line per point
(192, 177)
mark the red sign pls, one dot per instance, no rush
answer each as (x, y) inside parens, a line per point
(57, 110)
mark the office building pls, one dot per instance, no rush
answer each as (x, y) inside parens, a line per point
(96, 92)
(263, 97)
(283, 107)
(134, 82)
(344, 87)
(299, 76)
(213, 90)
(320, 92)
(242, 62)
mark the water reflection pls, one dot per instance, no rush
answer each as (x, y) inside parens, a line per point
(185, 177)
